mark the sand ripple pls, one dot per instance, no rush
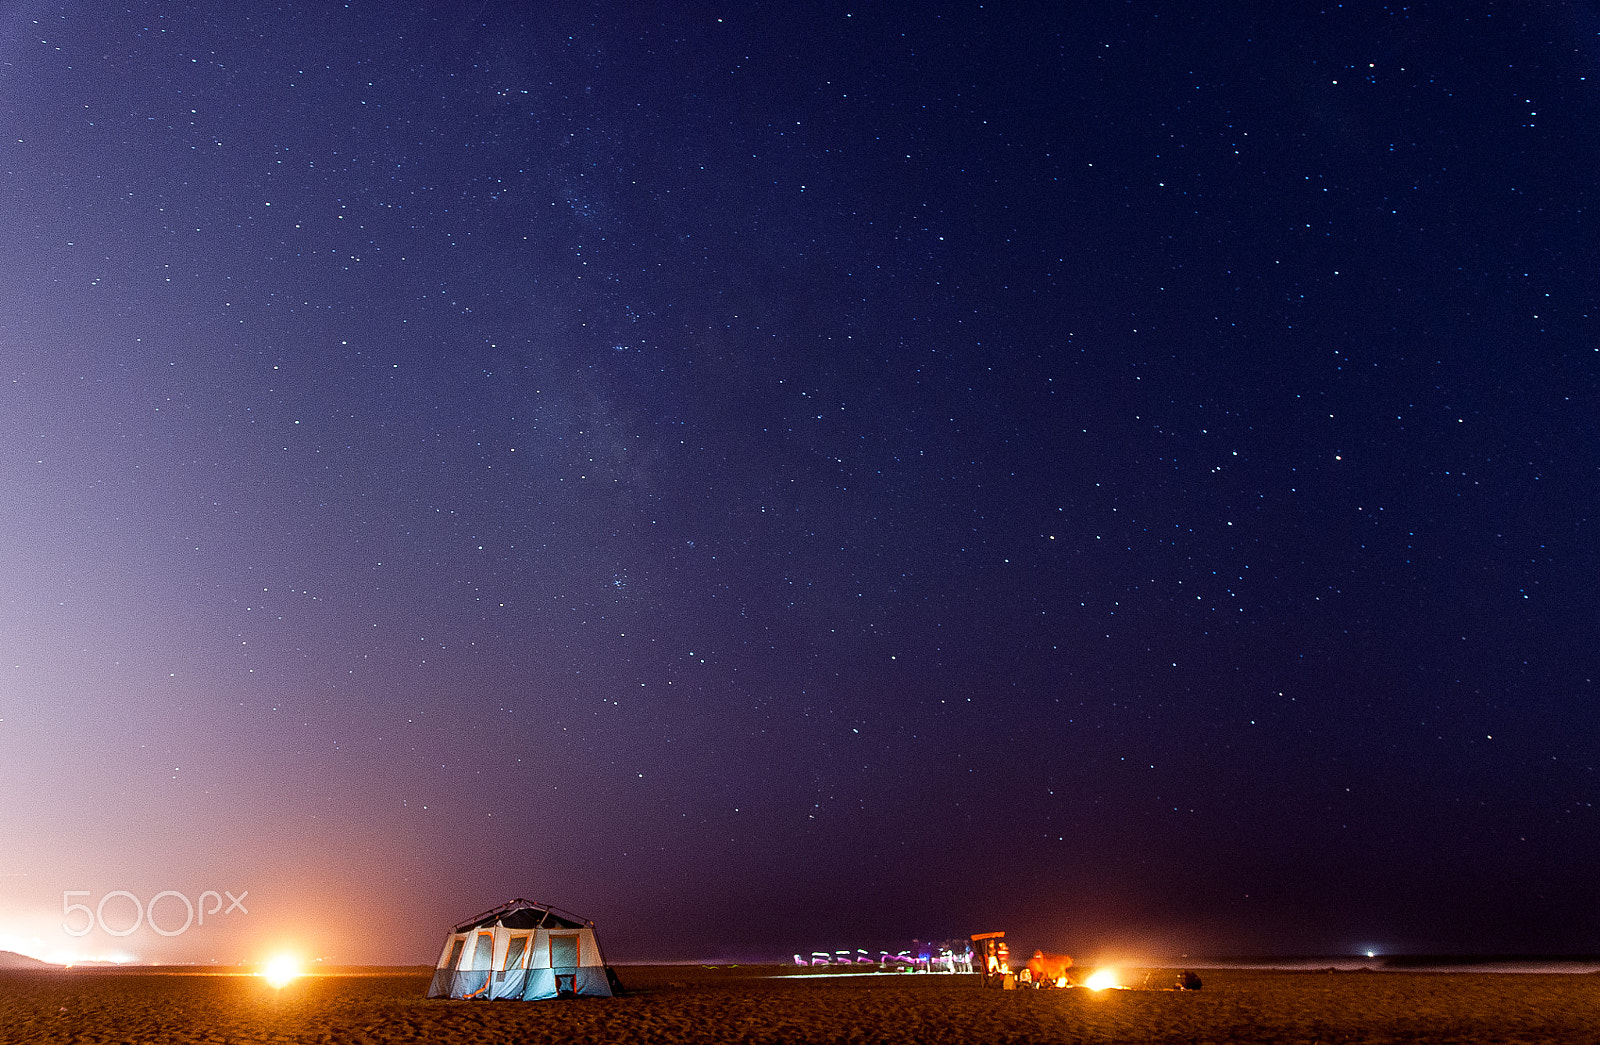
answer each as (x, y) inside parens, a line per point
(677, 1007)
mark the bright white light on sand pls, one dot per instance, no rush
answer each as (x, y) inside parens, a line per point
(1100, 979)
(281, 970)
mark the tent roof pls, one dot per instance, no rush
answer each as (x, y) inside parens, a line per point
(525, 914)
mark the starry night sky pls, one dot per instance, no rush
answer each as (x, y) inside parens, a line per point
(777, 477)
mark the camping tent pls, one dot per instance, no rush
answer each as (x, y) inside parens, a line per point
(521, 950)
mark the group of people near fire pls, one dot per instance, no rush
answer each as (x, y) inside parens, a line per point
(1050, 970)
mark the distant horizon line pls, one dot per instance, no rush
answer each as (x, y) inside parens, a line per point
(1338, 962)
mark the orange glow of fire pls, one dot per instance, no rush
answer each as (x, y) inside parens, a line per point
(1101, 979)
(281, 970)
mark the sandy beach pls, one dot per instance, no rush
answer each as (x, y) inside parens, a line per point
(674, 1005)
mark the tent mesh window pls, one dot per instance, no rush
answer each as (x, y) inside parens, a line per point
(514, 952)
(563, 952)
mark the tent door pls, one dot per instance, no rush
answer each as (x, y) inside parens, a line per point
(564, 962)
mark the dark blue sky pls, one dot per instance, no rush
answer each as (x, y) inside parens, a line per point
(773, 478)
